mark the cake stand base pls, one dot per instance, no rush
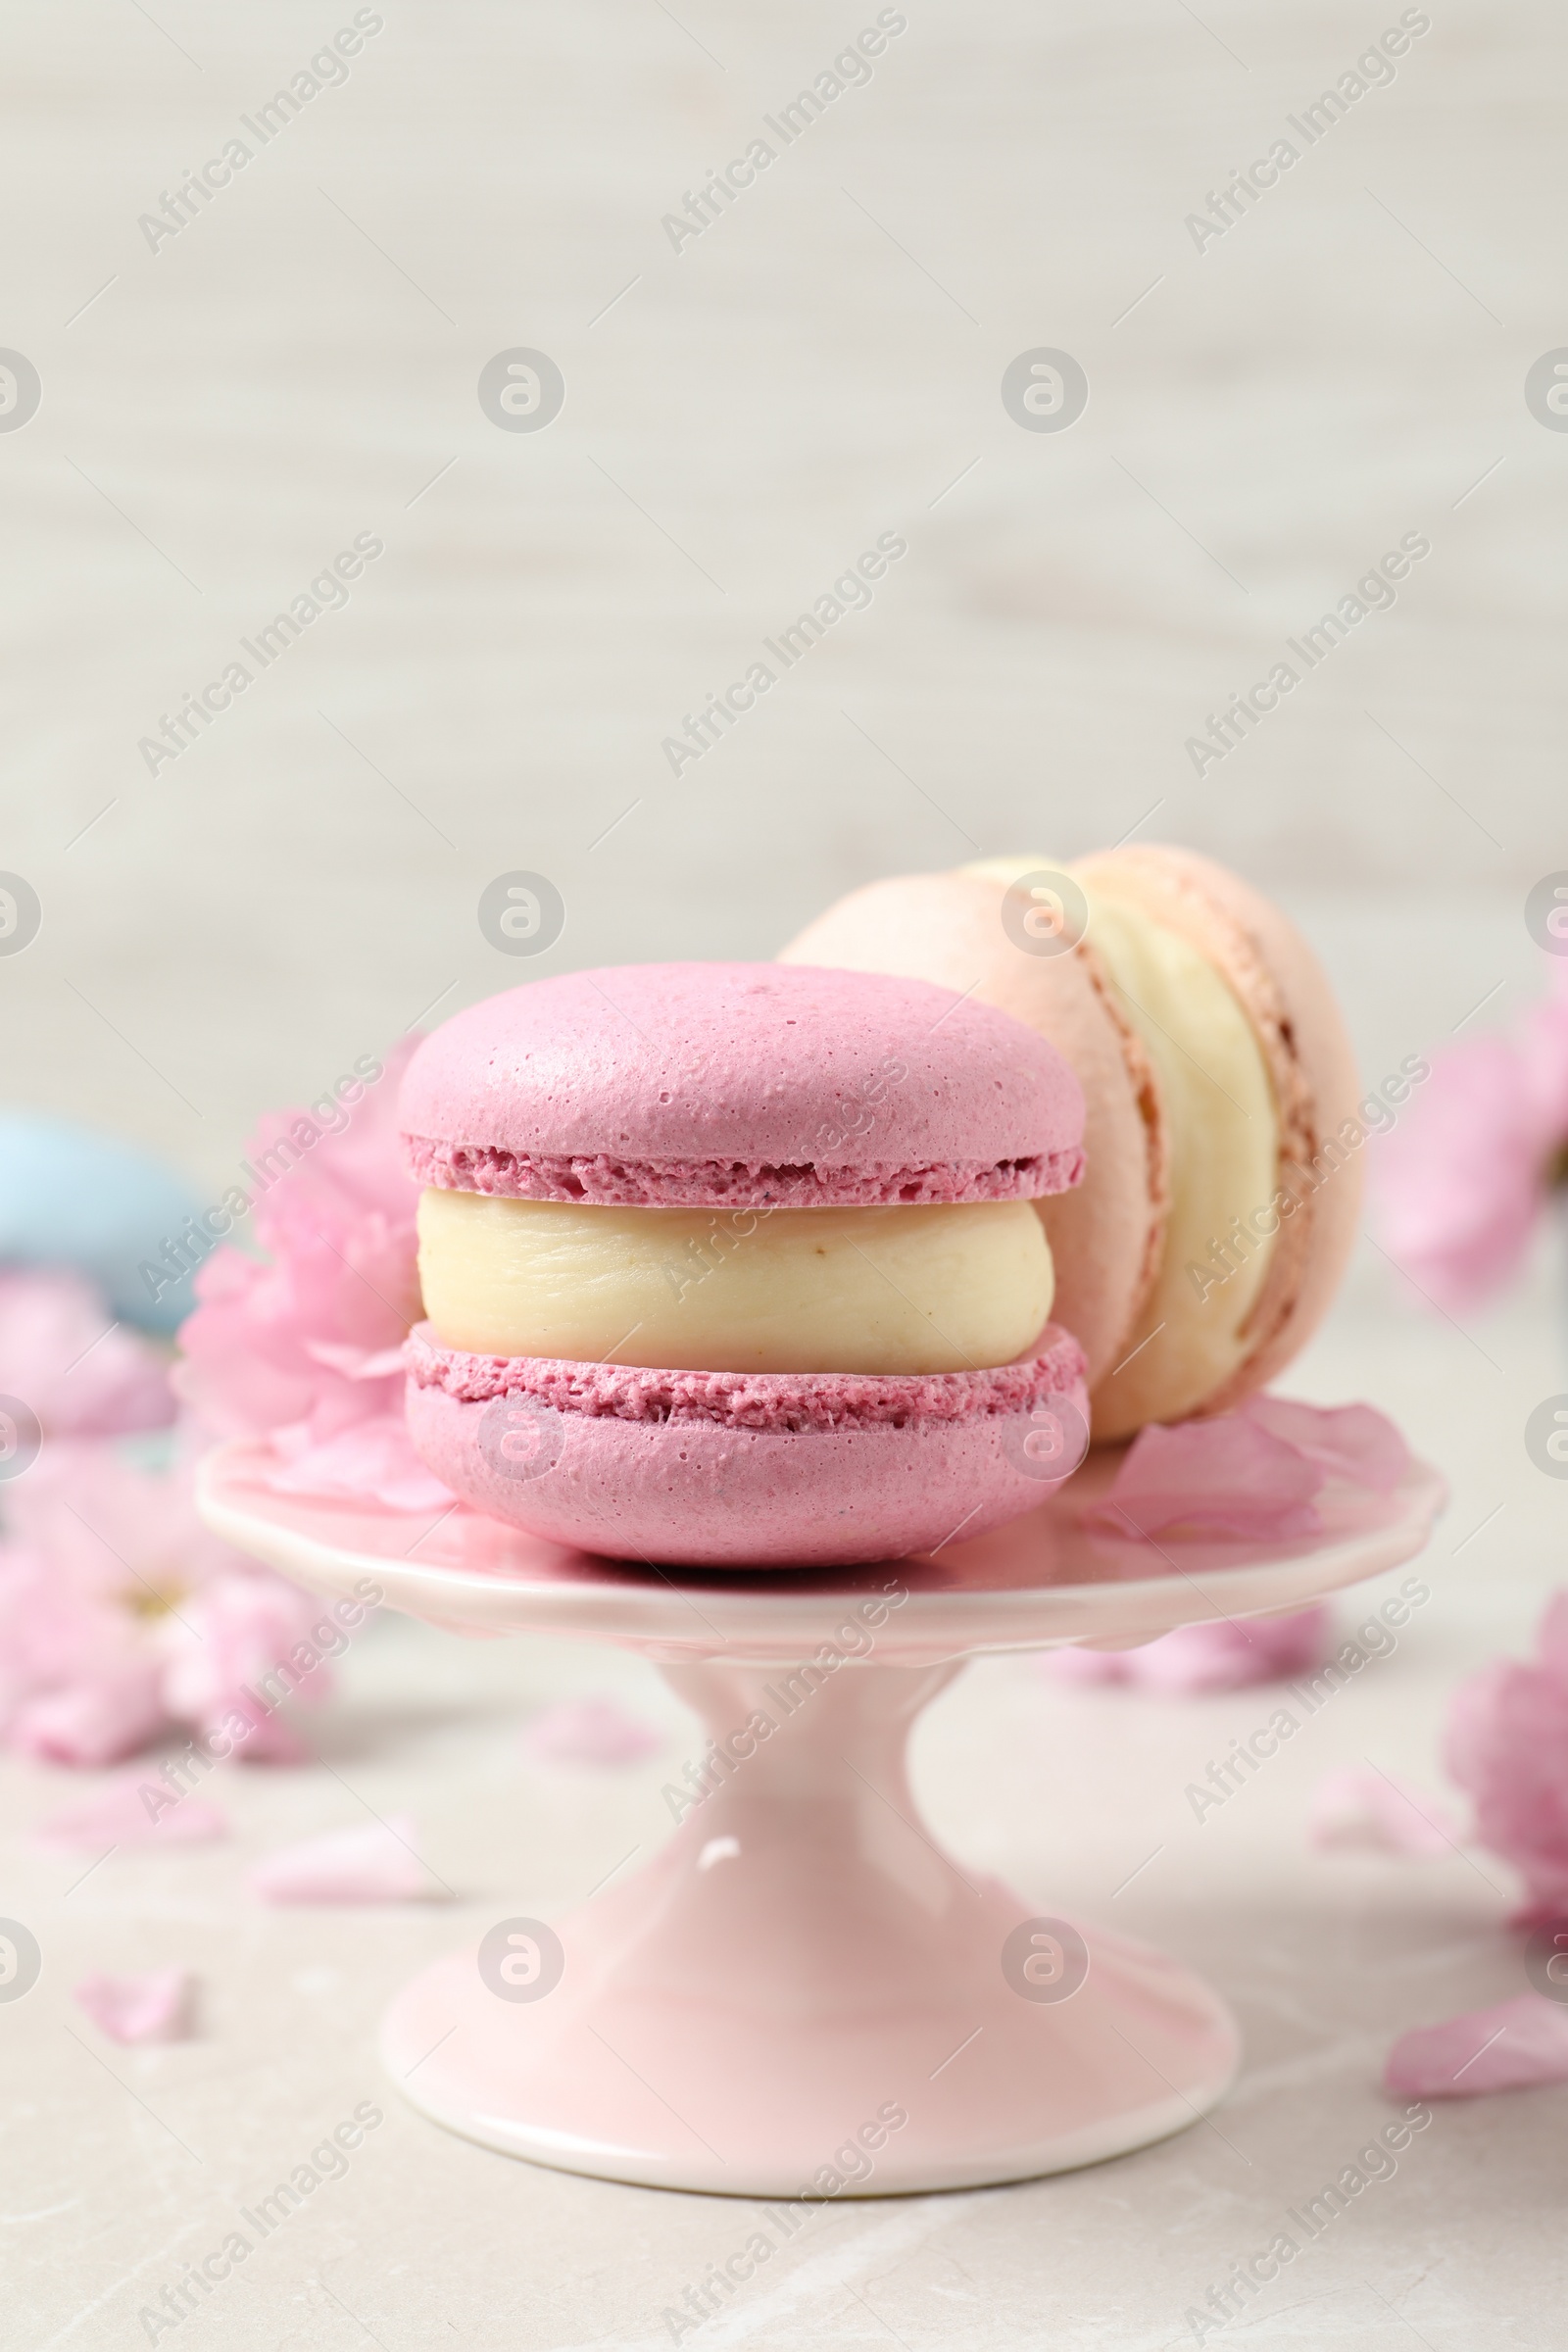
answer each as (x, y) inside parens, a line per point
(802, 1996)
(799, 1993)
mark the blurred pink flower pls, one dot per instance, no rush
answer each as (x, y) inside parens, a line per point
(1461, 1182)
(235, 1632)
(122, 1620)
(62, 1355)
(1200, 1658)
(304, 1347)
(1507, 1748)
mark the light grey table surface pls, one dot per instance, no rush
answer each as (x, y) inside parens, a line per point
(119, 2167)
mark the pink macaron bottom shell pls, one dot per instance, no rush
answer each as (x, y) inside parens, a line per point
(748, 1470)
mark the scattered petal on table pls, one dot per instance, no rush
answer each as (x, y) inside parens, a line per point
(1362, 1806)
(590, 1731)
(375, 1864)
(135, 1808)
(1508, 2047)
(154, 2006)
(1195, 1658)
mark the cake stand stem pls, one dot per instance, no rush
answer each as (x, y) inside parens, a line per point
(802, 1993)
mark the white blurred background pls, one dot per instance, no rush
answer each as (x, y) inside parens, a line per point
(225, 409)
(220, 415)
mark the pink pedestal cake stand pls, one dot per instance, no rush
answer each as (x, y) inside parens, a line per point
(800, 1962)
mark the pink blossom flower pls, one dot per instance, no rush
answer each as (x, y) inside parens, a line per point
(305, 1347)
(121, 1619)
(1507, 1748)
(65, 1357)
(233, 1639)
(1462, 1181)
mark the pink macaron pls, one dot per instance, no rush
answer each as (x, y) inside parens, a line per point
(749, 1096)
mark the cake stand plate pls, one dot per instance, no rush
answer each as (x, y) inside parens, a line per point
(802, 1994)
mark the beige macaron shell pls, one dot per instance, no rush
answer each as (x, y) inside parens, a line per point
(1104, 1234)
(1278, 980)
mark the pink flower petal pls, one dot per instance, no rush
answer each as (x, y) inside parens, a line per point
(371, 1460)
(1228, 1477)
(1507, 2047)
(1195, 1658)
(373, 1864)
(1360, 1807)
(154, 2006)
(135, 1808)
(1353, 1441)
(590, 1731)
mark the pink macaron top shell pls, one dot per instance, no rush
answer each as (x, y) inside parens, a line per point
(740, 1084)
(796, 1401)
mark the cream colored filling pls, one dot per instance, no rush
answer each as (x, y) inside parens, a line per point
(1224, 1137)
(946, 1289)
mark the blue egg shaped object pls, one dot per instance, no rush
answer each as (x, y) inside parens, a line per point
(72, 1198)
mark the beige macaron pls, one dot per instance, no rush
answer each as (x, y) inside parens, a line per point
(1223, 1163)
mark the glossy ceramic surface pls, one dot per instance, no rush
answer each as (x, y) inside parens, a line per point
(802, 1994)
